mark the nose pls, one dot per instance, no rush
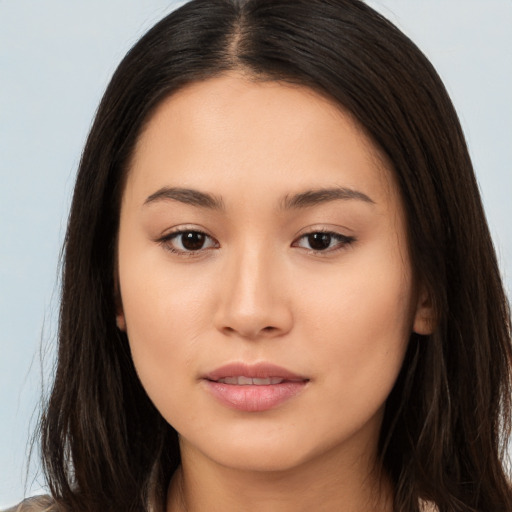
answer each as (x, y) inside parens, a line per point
(253, 301)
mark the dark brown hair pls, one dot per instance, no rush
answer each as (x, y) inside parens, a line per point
(105, 446)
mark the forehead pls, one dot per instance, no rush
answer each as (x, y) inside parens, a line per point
(233, 129)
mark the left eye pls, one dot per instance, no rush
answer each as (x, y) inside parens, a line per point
(323, 241)
(188, 241)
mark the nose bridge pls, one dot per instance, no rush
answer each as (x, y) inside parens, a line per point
(253, 300)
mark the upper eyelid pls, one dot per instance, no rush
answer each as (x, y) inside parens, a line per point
(178, 232)
(334, 229)
(335, 234)
(184, 229)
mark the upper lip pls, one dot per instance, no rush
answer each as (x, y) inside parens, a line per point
(259, 370)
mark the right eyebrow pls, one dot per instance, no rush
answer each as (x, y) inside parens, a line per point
(187, 196)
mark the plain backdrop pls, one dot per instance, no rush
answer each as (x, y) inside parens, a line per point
(56, 58)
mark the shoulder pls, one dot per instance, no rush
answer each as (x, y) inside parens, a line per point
(35, 504)
(427, 506)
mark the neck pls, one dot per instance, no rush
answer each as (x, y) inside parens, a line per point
(341, 485)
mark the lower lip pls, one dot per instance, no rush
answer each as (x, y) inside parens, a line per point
(251, 398)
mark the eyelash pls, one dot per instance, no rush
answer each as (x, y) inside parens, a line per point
(343, 241)
(166, 242)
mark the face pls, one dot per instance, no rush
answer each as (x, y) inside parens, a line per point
(265, 283)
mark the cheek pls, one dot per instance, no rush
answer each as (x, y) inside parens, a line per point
(165, 312)
(361, 321)
(163, 328)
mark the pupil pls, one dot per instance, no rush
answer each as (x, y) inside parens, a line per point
(319, 241)
(193, 241)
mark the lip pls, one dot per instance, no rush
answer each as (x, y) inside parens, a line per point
(259, 370)
(251, 397)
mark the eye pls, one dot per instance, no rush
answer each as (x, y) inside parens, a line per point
(323, 241)
(188, 242)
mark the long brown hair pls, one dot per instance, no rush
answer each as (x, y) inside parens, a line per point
(447, 420)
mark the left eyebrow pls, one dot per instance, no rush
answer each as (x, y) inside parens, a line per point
(311, 198)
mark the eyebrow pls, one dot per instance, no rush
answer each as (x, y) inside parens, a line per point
(187, 196)
(305, 199)
(311, 198)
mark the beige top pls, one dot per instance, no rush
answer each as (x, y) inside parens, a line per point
(45, 504)
(35, 504)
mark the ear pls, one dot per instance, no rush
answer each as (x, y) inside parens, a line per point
(120, 318)
(424, 318)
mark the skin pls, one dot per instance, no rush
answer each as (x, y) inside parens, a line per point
(256, 291)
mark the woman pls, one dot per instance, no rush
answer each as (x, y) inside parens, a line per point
(279, 288)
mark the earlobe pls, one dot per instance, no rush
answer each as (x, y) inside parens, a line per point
(424, 318)
(120, 321)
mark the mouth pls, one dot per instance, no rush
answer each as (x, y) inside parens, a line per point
(259, 374)
(254, 388)
(250, 381)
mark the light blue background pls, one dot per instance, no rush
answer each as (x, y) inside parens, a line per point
(56, 58)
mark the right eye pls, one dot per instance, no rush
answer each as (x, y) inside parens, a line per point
(188, 242)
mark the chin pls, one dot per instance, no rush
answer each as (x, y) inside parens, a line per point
(262, 461)
(280, 450)
(261, 452)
